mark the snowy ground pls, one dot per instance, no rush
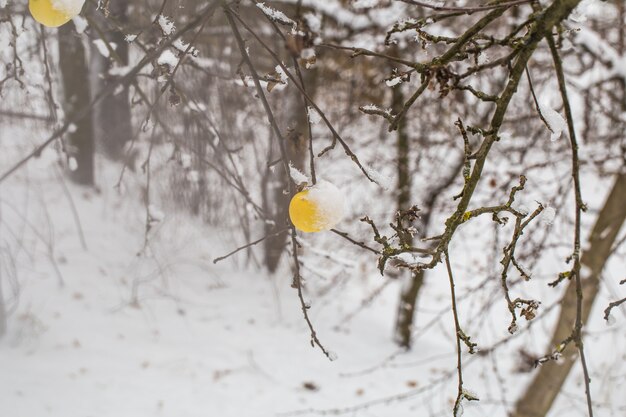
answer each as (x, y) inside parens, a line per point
(224, 340)
(203, 339)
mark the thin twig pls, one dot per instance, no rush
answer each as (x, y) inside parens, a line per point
(467, 9)
(460, 336)
(297, 283)
(276, 233)
(580, 207)
(611, 306)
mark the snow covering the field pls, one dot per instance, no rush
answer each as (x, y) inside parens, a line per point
(119, 330)
(199, 340)
(105, 332)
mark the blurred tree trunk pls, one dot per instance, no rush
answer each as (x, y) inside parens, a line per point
(410, 289)
(291, 112)
(76, 97)
(112, 115)
(276, 183)
(547, 382)
(405, 316)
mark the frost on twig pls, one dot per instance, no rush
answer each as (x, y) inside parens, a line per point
(375, 110)
(298, 177)
(166, 24)
(553, 120)
(277, 16)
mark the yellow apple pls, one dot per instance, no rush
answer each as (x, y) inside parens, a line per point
(54, 13)
(317, 208)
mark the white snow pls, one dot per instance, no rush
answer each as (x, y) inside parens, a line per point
(168, 58)
(433, 3)
(80, 23)
(101, 46)
(120, 71)
(69, 7)
(307, 53)
(166, 24)
(193, 176)
(281, 74)
(556, 123)
(314, 116)
(197, 107)
(600, 47)
(334, 256)
(72, 164)
(155, 213)
(297, 176)
(583, 10)
(384, 181)
(374, 108)
(393, 81)
(585, 271)
(365, 4)
(548, 215)
(330, 202)
(185, 160)
(204, 336)
(276, 15)
(314, 21)
(522, 208)
(412, 259)
(170, 334)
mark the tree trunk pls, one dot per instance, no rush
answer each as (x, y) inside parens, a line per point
(406, 309)
(112, 115)
(414, 280)
(409, 293)
(276, 183)
(547, 382)
(75, 77)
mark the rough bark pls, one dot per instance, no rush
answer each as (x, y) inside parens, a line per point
(547, 382)
(112, 115)
(75, 77)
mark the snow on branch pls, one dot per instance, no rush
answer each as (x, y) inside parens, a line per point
(276, 15)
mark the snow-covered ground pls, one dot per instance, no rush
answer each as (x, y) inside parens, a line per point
(202, 339)
(103, 331)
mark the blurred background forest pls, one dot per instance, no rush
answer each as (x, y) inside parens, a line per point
(149, 151)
